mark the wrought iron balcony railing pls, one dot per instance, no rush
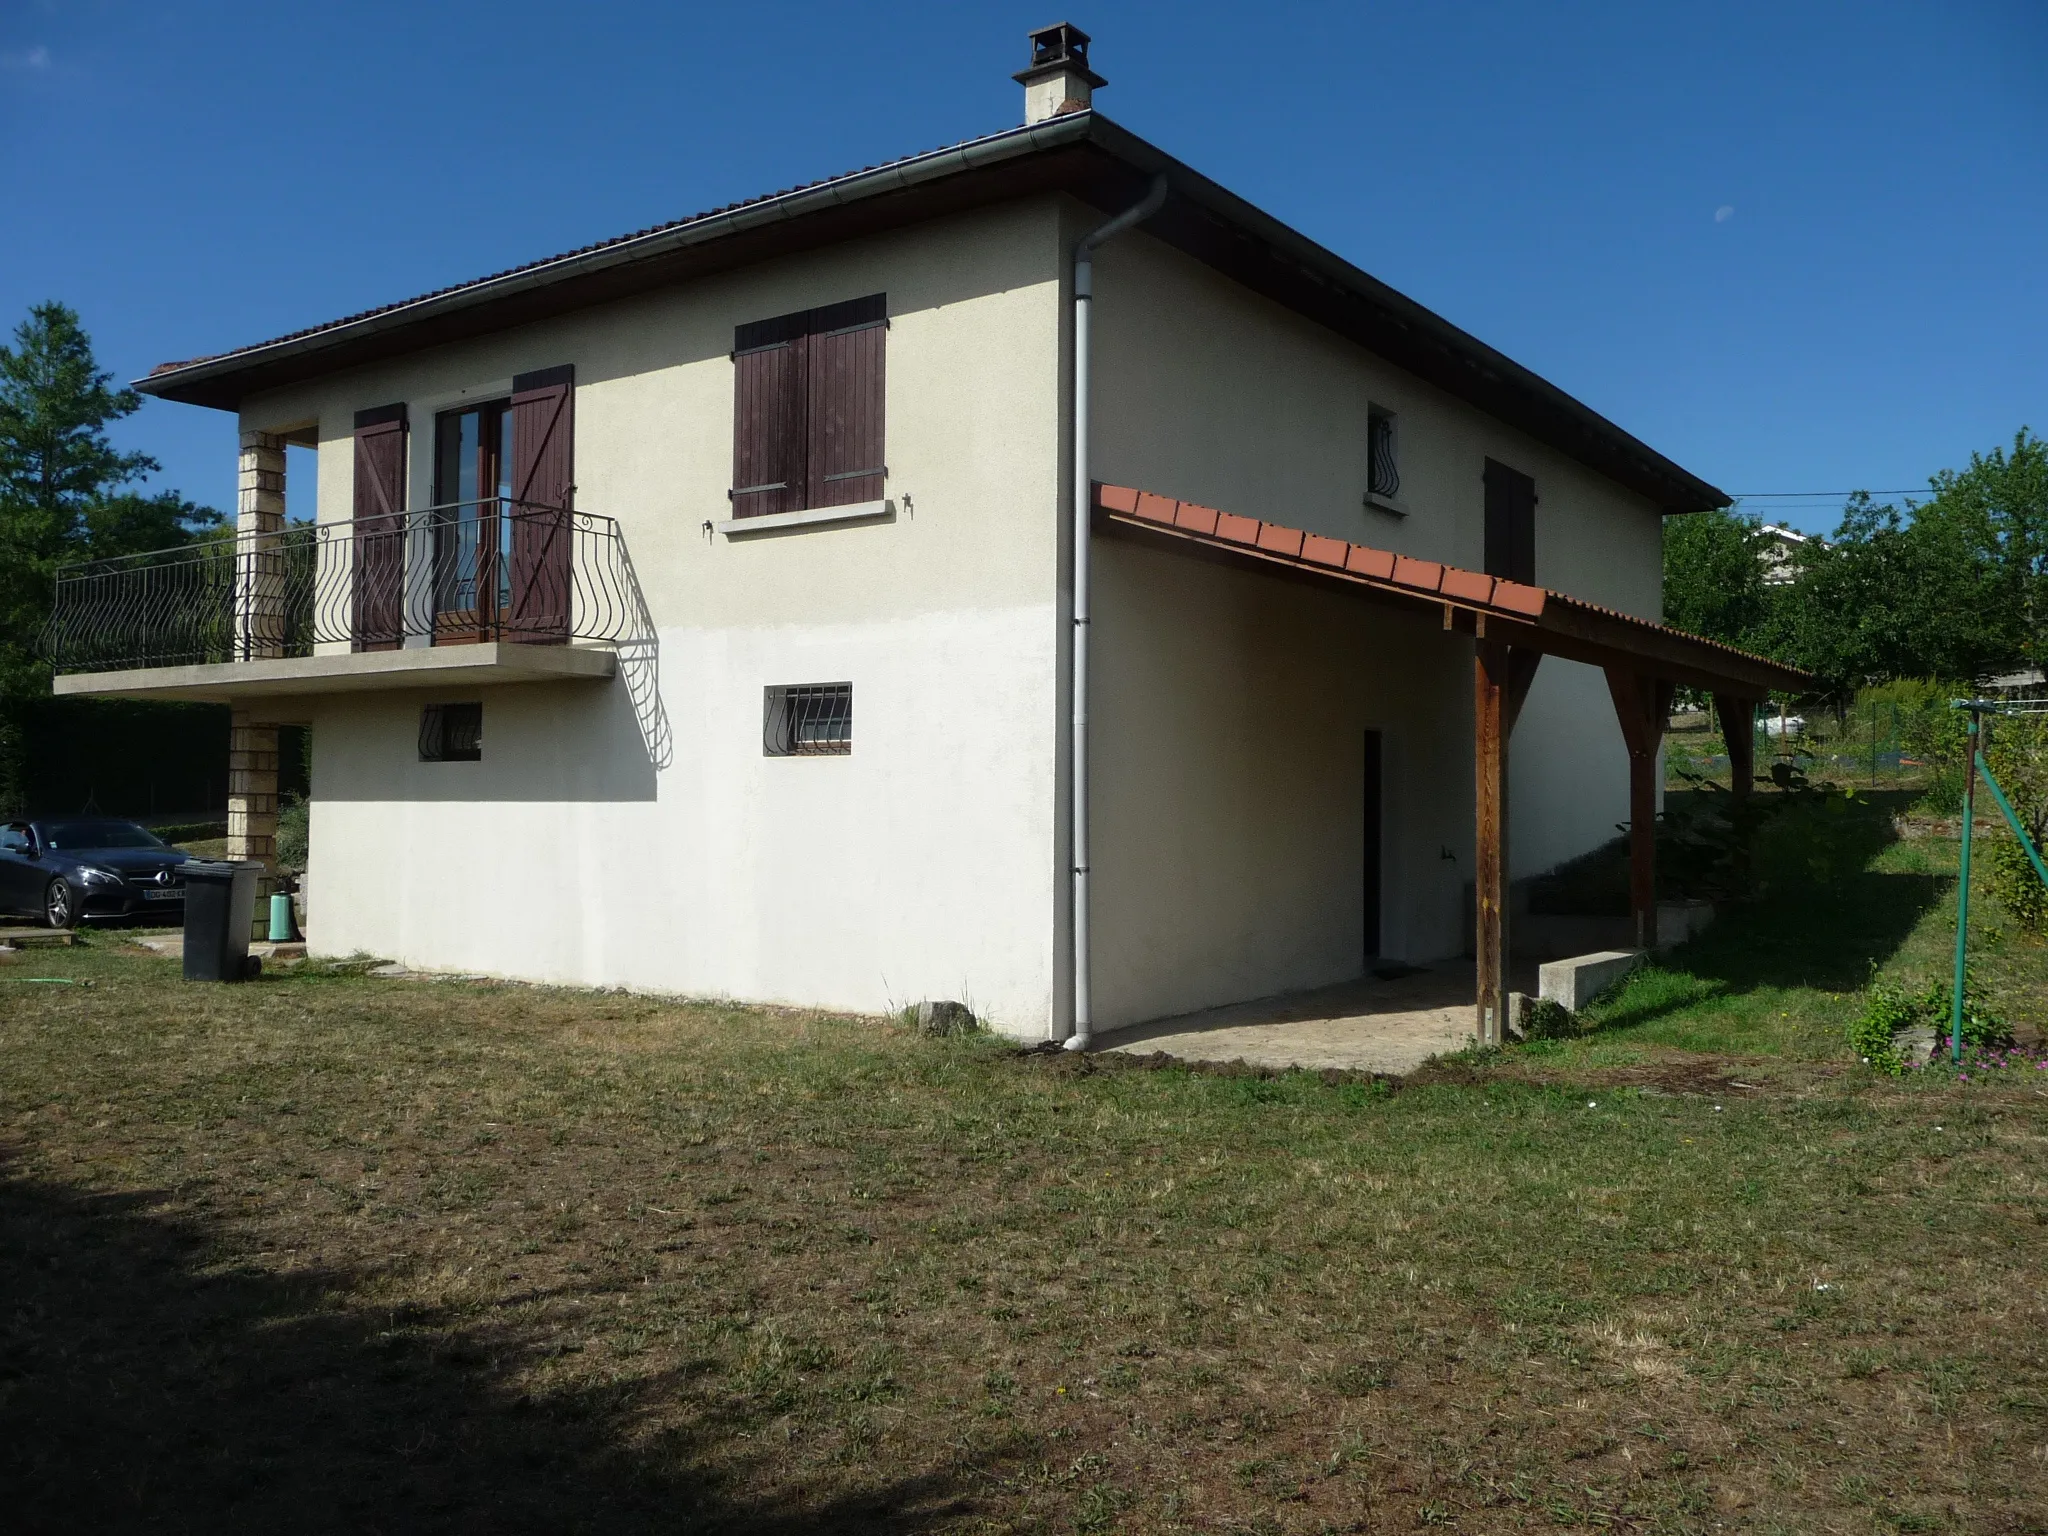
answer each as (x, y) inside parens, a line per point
(469, 571)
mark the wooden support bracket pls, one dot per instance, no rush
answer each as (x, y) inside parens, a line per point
(1737, 719)
(1642, 705)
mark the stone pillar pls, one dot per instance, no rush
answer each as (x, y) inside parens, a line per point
(259, 556)
(252, 791)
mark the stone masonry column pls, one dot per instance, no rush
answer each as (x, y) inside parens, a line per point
(252, 791)
(259, 557)
(259, 632)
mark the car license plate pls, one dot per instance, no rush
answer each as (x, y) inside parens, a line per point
(175, 893)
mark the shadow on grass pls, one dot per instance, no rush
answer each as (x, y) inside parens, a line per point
(142, 1388)
(1828, 920)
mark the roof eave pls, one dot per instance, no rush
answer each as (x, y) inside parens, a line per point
(1674, 488)
(201, 382)
(1202, 217)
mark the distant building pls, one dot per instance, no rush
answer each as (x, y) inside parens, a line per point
(2026, 689)
(1781, 553)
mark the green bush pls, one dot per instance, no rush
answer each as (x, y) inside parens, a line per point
(294, 820)
(1550, 1020)
(2016, 883)
(1981, 1027)
(1873, 1033)
(1889, 1009)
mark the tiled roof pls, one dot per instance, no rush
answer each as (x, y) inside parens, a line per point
(1530, 613)
(582, 250)
(1080, 154)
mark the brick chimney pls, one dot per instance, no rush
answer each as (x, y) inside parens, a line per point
(1059, 79)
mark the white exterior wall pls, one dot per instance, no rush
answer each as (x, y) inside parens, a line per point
(1229, 709)
(1228, 719)
(923, 864)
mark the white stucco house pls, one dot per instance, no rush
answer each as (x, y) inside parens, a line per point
(698, 611)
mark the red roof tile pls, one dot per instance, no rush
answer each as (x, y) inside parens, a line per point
(1426, 574)
(1238, 530)
(1280, 540)
(1627, 640)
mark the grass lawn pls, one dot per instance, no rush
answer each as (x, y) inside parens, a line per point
(336, 1252)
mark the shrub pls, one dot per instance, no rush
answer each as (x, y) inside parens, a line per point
(2016, 883)
(294, 823)
(1549, 1020)
(1981, 1027)
(1873, 1033)
(1889, 1009)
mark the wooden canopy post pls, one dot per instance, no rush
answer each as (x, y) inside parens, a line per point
(1642, 705)
(1500, 682)
(1737, 717)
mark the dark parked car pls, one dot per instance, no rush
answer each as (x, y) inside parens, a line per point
(66, 869)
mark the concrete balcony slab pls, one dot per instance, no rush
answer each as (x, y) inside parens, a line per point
(437, 666)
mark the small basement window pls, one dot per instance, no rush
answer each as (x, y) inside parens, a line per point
(1382, 454)
(808, 720)
(452, 733)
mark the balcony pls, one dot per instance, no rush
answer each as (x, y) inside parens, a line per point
(470, 593)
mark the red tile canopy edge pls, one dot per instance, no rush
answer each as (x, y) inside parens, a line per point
(1554, 622)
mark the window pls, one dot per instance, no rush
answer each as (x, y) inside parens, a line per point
(1510, 524)
(807, 409)
(807, 720)
(452, 733)
(472, 540)
(1382, 463)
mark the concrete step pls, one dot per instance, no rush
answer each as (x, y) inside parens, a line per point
(37, 938)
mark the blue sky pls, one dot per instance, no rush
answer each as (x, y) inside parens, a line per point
(1797, 246)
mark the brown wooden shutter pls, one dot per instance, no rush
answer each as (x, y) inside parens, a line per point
(844, 461)
(1510, 523)
(543, 491)
(768, 410)
(377, 618)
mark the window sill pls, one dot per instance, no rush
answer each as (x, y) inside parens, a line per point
(810, 517)
(1391, 505)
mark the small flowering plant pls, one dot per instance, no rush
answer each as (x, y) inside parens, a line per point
(1985, 1062)
(1889, 1011)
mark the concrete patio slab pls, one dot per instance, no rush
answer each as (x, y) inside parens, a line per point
(1370, 1025)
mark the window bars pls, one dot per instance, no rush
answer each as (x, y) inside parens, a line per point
(452, 733)
(1382, 473)
(807, 720)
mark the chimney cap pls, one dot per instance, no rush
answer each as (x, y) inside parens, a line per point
(1061, 47)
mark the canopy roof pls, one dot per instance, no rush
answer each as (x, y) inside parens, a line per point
(1530, 618)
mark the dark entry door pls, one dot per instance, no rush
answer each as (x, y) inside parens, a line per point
(1374, 813)
(472, 526)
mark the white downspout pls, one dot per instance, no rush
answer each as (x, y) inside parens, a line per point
(1084, 499)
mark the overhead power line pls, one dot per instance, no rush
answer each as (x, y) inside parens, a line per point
(1919, 490)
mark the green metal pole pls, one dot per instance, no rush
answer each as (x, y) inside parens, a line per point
(1955, 1009)
(2012, 819)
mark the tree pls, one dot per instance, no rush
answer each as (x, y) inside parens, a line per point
(63, 496)
(1999, 507)
(1953, 587)
(1714, 576)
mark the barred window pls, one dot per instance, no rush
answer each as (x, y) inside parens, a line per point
(807, 720)
(452, 733)
(1383, 469)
